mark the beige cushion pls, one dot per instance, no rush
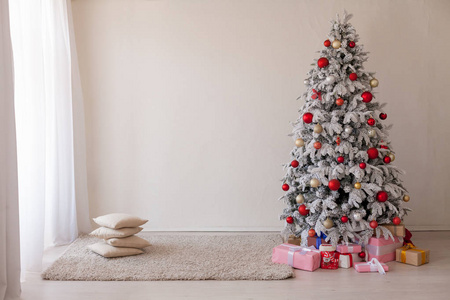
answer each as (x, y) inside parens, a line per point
(106, 250)
(116, 221)
(131, 242)
(108, 233)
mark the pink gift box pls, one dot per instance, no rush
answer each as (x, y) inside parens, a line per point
(382, 249)
(303, 258)
(371, 266)
(350, 248)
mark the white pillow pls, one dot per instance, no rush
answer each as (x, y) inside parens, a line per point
(106, 250)
(116, 221)
(108, 233)
(131, 242)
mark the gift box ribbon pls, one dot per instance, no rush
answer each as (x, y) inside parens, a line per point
(319, 239)
(411, 247)
(375, 265)
(346, 254)
(408, 236)
(300, 250)
(350, 249)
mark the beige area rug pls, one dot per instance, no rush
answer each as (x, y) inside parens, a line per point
(190, 256)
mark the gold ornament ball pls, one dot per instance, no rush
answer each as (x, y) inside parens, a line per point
(318, 128)
(336, 44)
(406, 198)
(328, 223)
(357, 185)
(300, 198)
(299, 142)
(372, 133)
(392, 156)
(314, 182)
(374, 83)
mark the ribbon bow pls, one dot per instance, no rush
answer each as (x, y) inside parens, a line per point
(319, 239)
(410, 246)
(408, 237)
(376, 263)
(316, 94)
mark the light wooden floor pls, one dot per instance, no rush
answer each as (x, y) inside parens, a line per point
(431, 281)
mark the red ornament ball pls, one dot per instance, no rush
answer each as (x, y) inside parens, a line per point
(373, 224)
(387, 159)
(327, 43)
(285, 187)
(371, 121)
(303, 210)
(351, 44)
(340, 159)
(384, 147)
(322, 62)
(311, 232)
(353, 76)
(334, 184)
(317, 145)
(362, 165)
(373, 153)
(362, 254)
(382, 196)
(396, 221)
(344, 219)
(367, 97)
(383, 116)
(339, 101)
(307, 117)
(294, 164)
(290, 220)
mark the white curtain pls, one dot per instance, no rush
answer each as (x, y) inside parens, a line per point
(9, 211)
(53, 199)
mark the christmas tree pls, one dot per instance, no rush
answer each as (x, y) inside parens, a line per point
(341, 181)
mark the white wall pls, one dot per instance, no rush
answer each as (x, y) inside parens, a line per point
(188, 103)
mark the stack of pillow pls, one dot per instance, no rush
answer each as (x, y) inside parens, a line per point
(118, 234)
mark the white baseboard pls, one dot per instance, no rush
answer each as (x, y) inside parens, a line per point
(257, 229)
(428, 228)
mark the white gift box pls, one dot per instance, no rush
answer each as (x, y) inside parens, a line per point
(348, 259)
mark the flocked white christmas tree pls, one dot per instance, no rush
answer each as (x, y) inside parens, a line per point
(341, 181)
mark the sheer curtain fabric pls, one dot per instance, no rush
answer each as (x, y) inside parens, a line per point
(53, 199)
(9, 211)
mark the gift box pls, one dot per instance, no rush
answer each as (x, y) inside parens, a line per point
(316, 241)
(374, 265)
(410, 254)
(293, 240)
(349, 248)
(303, 258)
(396, 230)
(329, 257)
(345, 260)
(382, 249)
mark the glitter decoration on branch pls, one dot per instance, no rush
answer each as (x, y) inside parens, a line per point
(340, 180)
